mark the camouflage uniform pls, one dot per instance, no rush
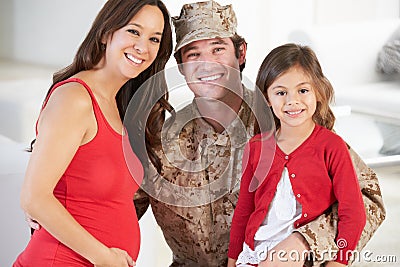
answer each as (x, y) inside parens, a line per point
(321, 232)
(194, 197)
(199, 235)
(204, 20)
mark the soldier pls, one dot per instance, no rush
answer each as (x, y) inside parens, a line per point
(194, 193)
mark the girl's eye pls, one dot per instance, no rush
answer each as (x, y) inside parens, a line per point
(303, 90)
(281, 93)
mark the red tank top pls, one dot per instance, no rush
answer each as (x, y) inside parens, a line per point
(97, 189)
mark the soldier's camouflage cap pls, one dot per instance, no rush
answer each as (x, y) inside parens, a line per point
(203, 20)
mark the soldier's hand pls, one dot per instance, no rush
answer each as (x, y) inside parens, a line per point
(31, 222)
(231, 262)
(334, 264)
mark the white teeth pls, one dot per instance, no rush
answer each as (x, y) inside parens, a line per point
(135, 60)
(210, 78)
(293, 112)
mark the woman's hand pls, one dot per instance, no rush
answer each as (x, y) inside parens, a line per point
(116, 258)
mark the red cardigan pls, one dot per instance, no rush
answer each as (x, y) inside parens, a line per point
(321, 173)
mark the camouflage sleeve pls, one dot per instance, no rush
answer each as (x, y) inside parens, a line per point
(142, 202)
(142, 198)
(321, 233)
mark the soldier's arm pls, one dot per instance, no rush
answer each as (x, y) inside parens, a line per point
(320, 234)
(142, 202)
(141, 198)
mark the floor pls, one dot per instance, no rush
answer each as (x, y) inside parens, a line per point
(361, 132)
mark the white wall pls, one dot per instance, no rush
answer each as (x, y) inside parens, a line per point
(338, 11)
(49, 32)
(6, 27)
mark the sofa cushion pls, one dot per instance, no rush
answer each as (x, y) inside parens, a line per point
(388, 61)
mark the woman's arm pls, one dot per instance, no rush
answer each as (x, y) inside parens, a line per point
(65, 123)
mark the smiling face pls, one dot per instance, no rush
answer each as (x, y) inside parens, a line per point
(292, 98)
(133, 48)
(211, 68)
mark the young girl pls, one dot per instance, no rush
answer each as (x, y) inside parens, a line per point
(310, 171)
(77, 185)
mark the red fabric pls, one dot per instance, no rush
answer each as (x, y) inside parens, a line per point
(97, 189)
(323, 174)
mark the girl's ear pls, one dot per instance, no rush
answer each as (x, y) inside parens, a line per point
(266, 99)
(242, 53)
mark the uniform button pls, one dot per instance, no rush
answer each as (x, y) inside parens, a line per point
(293, 175)
(286, 157)
(305, 215)
(298, 195)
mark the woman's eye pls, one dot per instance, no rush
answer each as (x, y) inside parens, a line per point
(155, 40)
(135, 32)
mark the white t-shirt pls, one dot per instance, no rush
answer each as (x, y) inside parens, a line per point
(284, 210)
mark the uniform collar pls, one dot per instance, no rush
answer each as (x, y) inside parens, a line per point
(236, 134)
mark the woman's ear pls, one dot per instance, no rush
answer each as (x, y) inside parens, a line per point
(104, 39)
(242, 53)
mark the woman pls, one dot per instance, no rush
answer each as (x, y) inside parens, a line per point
(77, 184)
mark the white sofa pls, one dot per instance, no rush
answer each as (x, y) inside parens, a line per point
(348, 53)
(22, 88)
(13, 231)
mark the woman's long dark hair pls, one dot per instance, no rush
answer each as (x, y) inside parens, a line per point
(114, 15)
(284, 57)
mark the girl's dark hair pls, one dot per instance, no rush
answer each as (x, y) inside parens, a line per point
(114, 15)
(284, 57)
